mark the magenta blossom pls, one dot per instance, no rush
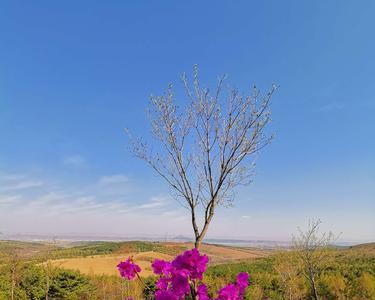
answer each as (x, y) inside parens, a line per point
(183, 276)
(180, 284)
(165, 295)
(235, 291)
(229, 292)
(242, 282)
(162, 284)
(180, 276)
(192, 262)
(161, 267)
(202, 292)
(128, 268)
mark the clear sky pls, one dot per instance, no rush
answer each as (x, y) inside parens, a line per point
(73, 74)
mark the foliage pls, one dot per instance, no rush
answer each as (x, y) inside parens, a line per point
(69, 285)
(66, 284)
(312, 250)
(33, 282)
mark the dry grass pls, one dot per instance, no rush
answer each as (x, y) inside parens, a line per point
(222, 254)
(106, 264)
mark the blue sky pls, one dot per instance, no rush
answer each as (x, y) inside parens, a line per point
(73, 74)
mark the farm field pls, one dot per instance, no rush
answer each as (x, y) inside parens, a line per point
(106, 264)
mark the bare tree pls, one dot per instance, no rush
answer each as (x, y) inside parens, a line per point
(208, 147)
(14, 263)
(288, 270)
(312, 249)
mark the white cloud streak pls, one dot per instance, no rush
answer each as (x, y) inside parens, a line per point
(74, 160)
(113, 179)
(101, 200)
(20, 185)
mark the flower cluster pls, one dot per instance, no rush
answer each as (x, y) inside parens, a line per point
(183, 277)
(177, 276)
(235, 291)
(128, 269)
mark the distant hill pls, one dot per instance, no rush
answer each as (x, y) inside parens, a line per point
(65, 250)
(24, 249)
(366, 246)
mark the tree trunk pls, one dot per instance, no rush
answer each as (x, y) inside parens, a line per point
(198, 242)
(13, 285)
(200, 236)
(314, 292)
(47, 286)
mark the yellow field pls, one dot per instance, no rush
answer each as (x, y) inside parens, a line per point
(106, 264)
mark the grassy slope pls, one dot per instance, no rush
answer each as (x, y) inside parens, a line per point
(82, 249)
(33, 250)
(102, 257)
(144, 254)
(26, 250)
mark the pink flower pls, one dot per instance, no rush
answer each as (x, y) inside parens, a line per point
(161, 267)
(229, 292)
(176, 277)
(162, 283)
(165, 295)
(182, 278)
(202, 292)
(192, 262)
(235, 291)
(180, 284)
(242, 282)
(128, 269)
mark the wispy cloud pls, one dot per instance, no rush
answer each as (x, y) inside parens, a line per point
(113, 179)
(74, 160)
(9, 200)
(333, 106)
(101, 197)
(21, 185)
(60, 206)
(10, 176)
(155, 202)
